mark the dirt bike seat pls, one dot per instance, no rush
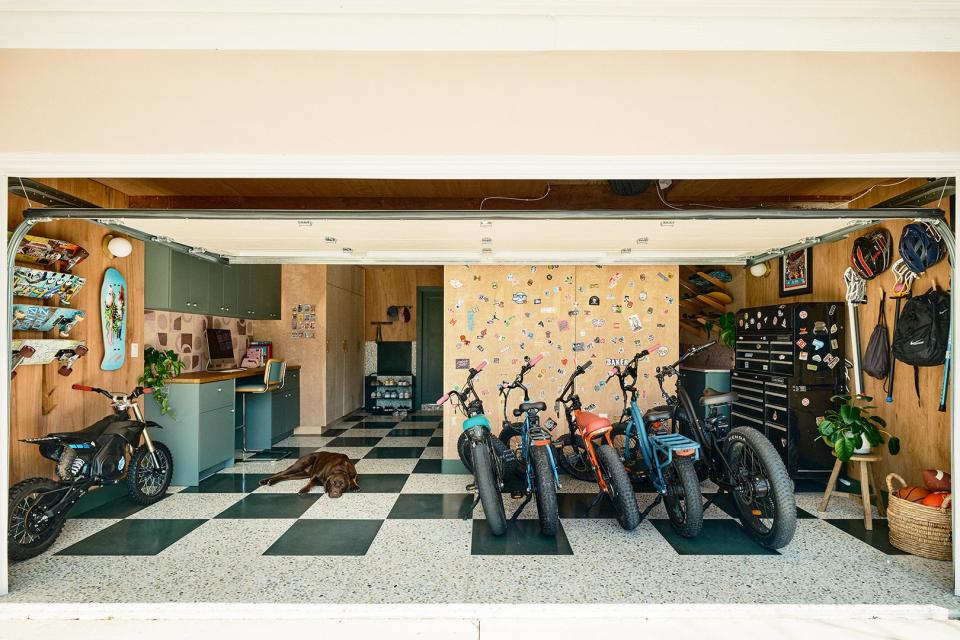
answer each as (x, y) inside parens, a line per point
(92, 432)
(591, 423)
(528, 406)
(712, 398)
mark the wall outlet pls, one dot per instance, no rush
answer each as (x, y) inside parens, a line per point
(134, 350)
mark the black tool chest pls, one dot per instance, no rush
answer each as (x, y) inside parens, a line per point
(789, 362)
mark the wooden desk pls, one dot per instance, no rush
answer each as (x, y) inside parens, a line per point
(201, 377)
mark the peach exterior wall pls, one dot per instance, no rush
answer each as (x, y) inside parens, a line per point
(571, 103)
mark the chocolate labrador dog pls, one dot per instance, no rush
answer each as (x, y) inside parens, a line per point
(333, 470)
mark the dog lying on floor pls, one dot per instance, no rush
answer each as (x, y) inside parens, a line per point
(332, 470)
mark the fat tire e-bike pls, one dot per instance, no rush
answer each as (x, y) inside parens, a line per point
(654, 451)
(595, 433)
(92, 457)
(741, 462)
(487, 461)
(536, 455)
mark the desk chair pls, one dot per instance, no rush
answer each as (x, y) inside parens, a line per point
(274, 375)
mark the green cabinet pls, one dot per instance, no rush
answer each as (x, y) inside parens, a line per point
(273, 416)
(156, 262)
(199, 431)
(177, 281)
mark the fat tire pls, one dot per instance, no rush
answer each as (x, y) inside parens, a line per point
(15, 551)
(545, 487)
(689, 484)
(622, 496)
(781, 489)
(463, 450)
(489, 490)
(136, 461)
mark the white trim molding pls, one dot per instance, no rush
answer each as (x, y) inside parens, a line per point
(479, 25)
(474, 167)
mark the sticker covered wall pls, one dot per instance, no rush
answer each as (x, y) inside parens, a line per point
(570, 314)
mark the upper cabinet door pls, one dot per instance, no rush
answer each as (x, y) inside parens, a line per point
(272, 282)
(216, 306)
(180, 274)
(199, 285)
(230, 299)
(156, 263)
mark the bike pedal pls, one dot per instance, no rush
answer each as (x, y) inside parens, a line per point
(471, 487)
(516, 495)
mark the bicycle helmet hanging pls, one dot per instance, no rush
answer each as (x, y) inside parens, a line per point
(871, 254)
(921, 246)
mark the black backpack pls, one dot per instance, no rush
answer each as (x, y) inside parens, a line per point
(876, 359)
(920, 337)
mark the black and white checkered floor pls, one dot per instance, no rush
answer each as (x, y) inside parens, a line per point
(409, 536)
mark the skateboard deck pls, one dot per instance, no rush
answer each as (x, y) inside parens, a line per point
(28, 317)
(67, 352)
(51, 253)
(113, 312)
(35, 283)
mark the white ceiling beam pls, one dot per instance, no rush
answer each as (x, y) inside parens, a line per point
(471, 25)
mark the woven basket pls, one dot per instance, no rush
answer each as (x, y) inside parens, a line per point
(916, 528)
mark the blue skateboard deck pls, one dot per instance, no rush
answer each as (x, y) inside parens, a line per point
(113, 313)
(29, 317)
(36, 283)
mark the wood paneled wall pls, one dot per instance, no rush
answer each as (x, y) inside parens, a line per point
(484, 321)
(924, 432)
(41, 400)
(302, 284)
(386, 286)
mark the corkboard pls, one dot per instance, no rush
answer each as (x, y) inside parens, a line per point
(505, 312)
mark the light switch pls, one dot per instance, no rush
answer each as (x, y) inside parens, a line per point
(134, 350)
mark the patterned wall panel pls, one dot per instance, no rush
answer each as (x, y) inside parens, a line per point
(184, 333)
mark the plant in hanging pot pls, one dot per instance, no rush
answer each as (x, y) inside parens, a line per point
(852, 430)
(159, 367)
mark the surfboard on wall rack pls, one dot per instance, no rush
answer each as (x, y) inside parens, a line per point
(113, 315)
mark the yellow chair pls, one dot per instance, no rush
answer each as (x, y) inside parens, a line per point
(274, 375)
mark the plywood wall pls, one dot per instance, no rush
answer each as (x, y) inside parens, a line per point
(41, 400)
(302, 284)
(395, 286)
(502, 313)
(923, 431)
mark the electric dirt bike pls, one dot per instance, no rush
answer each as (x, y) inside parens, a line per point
(654, 451)
(87, 459)
(594, 432)
(487, 461)
(535, 455)
(741, 462)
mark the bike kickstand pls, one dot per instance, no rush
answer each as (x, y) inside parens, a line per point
(516, 514)
(709, 501)
(651, 507)
(476, 501)
(596, 501)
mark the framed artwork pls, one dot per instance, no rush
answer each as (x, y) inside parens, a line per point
(796, 273)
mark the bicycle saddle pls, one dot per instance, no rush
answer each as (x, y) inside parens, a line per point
(527, 406)
(711, 397)
(590, 423)
(657, 414)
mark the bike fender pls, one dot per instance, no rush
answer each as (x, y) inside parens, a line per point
(476, 421)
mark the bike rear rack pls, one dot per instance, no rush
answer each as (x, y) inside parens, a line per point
(668, 443)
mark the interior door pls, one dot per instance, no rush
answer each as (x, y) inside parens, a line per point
(429, 345)
(335, 361)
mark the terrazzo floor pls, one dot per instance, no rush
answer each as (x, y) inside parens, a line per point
(409, 537)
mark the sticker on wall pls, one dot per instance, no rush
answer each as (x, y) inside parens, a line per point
(597, 322)
(579, 347)
(614, 279)
(456, 284)
(663, 276)
(563, 325)
(635, 324)
(662, 352)
(520, 297)
(594, 301)
(470, 321)
(463, 363)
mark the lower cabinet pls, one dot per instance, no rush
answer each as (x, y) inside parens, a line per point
(271, 417)
(198, 429)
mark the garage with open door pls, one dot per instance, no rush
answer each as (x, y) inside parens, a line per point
(702, 341)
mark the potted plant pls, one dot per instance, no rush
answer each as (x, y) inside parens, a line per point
(728, 328)
(853, 430)
(159, 367)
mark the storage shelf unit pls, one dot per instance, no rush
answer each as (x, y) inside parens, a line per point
(789, 363)
(376, 386)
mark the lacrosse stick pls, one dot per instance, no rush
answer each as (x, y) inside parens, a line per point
(856, 294)
(904, 278)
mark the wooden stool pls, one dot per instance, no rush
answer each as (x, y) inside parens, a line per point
(866, 471)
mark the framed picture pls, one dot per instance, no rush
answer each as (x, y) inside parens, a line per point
(796, 273)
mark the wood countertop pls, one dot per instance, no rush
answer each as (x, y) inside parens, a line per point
(202, 377)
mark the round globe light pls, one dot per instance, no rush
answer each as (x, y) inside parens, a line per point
(759, 270)
(117, 247)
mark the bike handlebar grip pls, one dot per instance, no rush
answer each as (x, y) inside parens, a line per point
(146, 390)
(481, 365)
(613, 372)
(82, 387)
(586, 365)
(707, 345)
(536, 360)
(442, 398)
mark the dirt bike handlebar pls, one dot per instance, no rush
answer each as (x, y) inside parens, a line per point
(136, 393)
